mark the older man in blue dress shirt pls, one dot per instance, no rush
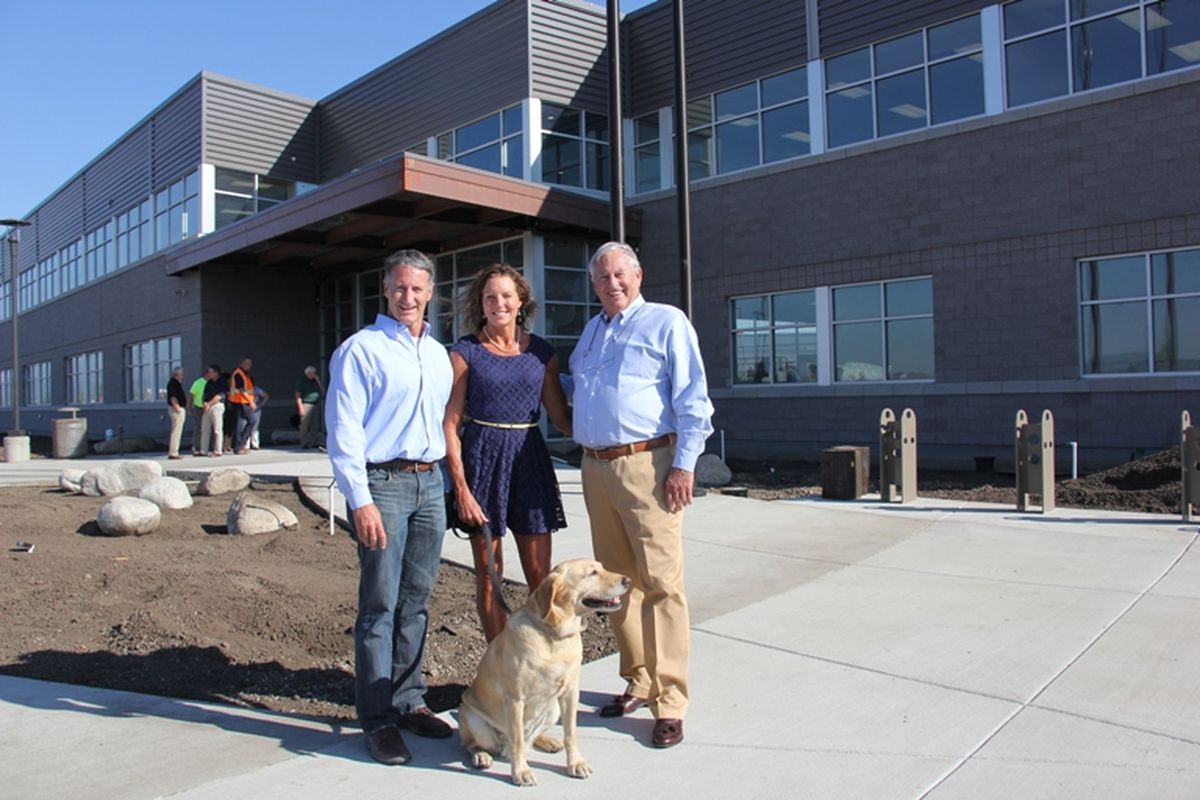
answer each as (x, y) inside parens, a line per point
(642, 414)
(388, 388)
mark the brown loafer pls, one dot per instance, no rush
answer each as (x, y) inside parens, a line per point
(622, 705)
(386, 746)
(667, 732)
(423, 722)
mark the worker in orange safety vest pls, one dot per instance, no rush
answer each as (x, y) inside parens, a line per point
(241, 394)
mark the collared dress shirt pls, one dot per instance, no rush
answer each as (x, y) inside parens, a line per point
(387, 397)
(638, 376)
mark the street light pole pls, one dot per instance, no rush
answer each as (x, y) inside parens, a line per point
(14, 237)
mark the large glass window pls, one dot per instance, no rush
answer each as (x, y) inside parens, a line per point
(756, 123)
(923, 78)
(775, 338)
(574, 147)
(568, 301)
(1141, 313)
(647, 154)
(494, 143)
(239, 194)
(1056, 47)
(85, 378)
(148, 368)
(454, 274)
(37, 386)
(6, 387)
(883, 331)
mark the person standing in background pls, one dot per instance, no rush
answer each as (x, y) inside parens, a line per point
(177, 403)
(308, 398)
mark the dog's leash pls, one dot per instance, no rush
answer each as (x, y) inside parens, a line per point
(497, 588)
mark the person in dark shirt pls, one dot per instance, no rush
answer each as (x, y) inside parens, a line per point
(177, 403)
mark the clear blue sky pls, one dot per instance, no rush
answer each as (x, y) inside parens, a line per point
(80, 73)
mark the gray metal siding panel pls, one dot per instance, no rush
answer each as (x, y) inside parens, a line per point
(767, 36)
(58, 221)
(258, 131)
(176, 137)
(474, 69)
(847, 24)
(118, 180)
(568, 54)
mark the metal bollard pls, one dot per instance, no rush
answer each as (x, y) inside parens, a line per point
(1189, 452)
(1035, 460)
(898, 456)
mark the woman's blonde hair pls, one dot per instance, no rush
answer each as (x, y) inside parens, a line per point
(472, 303)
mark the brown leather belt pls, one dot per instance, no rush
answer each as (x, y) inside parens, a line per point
(404, 465)
(610, 453)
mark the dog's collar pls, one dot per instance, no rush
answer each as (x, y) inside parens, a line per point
(553, 633)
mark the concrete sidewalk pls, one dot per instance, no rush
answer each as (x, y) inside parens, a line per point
(840, 650)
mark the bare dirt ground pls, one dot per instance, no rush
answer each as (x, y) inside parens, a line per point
(189, 611)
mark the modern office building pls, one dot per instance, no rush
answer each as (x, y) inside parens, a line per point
(965, 208)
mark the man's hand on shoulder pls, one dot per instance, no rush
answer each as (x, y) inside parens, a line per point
(368, 527)
(678, 489)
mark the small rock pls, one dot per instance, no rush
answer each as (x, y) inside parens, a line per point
(223, 480)
(250, 514)
(711, 471)
(128, 516)
(71, 480)
(167, 492)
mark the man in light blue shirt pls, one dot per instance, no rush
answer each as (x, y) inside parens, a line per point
(642, 414)
(388, 388)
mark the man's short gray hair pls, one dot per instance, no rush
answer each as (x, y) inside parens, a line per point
(405, 258)
(614, 247)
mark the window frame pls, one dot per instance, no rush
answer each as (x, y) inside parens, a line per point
(85, 378)
(151, 371)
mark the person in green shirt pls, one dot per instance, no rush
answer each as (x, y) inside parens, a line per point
(308, 399)
(196, 408)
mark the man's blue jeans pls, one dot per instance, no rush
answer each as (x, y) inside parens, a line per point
(395, 584)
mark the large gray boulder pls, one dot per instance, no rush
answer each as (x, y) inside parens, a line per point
(119, 477)
(250, 514)
(167, 493)
(128, 516)
(711, 471)
(71, 480)
(223, 480)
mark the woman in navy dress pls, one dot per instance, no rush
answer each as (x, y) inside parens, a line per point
(501, 470)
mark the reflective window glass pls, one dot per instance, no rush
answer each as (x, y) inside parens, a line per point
(564, 252)
(910, 349)
(906, 298)
(699, 112)
(785, 132)
(1177, 335)
(850, 68)
(1028, 16)
(751, 312)
(560, 120)
(512, 121)
(856, 302)
(734, 102)
(897, 54)
(737, 144)
(960, 36)
(484, 158)
(858, 351)
(1088, 8)
(751, 357)
(795, 308)
(850, 115)
(597, 126)
(645, 129)
(901, 100)
(1173, 273)
(956, 89)
(796, 354)
(477, 134)
(1036, 68)
(273, 189)
(1113, 278)
(562, 284)
(598, 168)
(1172, 35)
(562, 160)
(700, 154)
(1107, 51)
(787, 86)
(230, 209)
(514, 156)
(229, 180)
(647, 168)
(1114, 338)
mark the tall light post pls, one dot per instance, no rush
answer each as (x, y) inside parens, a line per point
(16, 444)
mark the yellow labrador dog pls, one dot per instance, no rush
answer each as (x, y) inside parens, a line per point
(529, 675)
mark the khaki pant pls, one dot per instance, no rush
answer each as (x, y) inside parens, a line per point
(213, 429)
(310, 424)
(197, 413)
(635, 535)
(178, 416)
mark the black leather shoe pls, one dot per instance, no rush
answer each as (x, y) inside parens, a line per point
(422, 722)
(387, 746)
(622, 705)
(667, 732)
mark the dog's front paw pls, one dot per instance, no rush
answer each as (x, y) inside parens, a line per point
(523, 776)
(482, 760)
(547, 743)
(579, 769)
